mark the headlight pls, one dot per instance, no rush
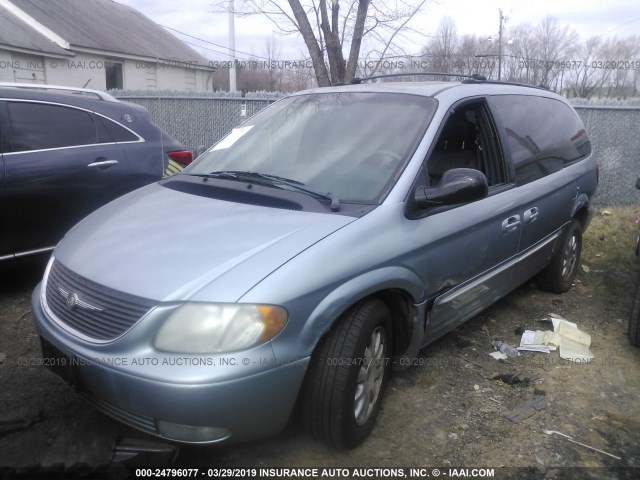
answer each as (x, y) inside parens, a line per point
(219, 327)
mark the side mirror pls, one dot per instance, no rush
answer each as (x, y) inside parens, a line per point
(199, 151)
(458, 185)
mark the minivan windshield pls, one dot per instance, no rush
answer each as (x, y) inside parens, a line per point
(350, 145)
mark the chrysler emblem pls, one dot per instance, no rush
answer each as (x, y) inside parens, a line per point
(73, 301)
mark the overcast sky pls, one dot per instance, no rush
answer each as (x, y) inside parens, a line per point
(587, 17)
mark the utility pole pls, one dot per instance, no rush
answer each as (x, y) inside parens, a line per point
(232, 47)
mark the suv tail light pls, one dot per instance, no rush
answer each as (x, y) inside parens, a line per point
(183, 157)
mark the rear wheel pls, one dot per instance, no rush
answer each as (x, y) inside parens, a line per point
(558, 276)
(634, 320)
(348, 375)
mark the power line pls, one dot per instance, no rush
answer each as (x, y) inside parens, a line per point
(212, 50)
(216, 45)
(620, 26)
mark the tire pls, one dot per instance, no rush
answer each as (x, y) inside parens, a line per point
(634, 320)
(347, 376)
(558, 276)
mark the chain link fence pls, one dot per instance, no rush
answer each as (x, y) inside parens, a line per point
(197, 118)
(203, 118)
(615, 135)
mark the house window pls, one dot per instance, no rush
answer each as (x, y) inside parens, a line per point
(113, 71)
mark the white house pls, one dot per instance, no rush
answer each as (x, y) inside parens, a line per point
(99, 44)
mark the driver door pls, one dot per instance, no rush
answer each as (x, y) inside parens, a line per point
(470, 250)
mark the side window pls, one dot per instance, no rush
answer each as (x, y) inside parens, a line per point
(542, 135)
(115, 133)
(37, 126)
(467, 140)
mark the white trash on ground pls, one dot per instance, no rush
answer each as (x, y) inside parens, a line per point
(573, 343)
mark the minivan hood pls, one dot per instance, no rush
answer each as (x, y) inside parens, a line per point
(166, 245)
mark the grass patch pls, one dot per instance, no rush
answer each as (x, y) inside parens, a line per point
(608, 249)
(610, 239)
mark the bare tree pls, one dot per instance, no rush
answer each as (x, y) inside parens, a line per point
(522, 63)
(466, 55)
(298, 78)
(466, 60)
(605, 65)
(548, 53)
(272, 53)
(621, 65)
(530, 54)
(584, 79)
(330, 28)
(634, 71)
(555, 43)
(440, 51)
(538, 54)
(268, 72)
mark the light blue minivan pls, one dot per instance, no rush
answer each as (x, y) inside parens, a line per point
(322, 243)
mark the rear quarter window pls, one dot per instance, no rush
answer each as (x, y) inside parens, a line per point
(115, 132)
(541, 135)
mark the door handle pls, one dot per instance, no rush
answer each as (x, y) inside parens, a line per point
(531, 215)
(103, 164)
(511, 224)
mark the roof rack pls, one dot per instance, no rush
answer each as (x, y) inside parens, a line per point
(77, 90)
(501, 82)
(475, 77)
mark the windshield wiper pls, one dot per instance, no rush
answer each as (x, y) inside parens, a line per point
(274, 180)
(248, 175)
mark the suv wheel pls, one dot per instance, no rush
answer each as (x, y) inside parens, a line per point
(348, 375)
(558, 276)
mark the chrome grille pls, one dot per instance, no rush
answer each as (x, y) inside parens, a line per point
(97, 312)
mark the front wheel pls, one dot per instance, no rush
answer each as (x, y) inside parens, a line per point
(558, 276)
(634, 320)
(347, 376)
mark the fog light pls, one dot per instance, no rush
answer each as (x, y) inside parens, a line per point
(188, 433)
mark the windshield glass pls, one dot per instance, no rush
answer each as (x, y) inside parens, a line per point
(352, 145)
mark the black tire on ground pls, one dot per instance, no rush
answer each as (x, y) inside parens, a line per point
(558, 276)
(634, 320)
(347, 376)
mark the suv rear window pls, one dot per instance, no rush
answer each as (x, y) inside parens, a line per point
(38, 126)
(542, 134)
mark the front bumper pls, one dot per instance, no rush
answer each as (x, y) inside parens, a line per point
(231, 410)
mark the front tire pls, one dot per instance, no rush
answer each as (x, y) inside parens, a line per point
(634, 320)
(347, 376)
(559, 275)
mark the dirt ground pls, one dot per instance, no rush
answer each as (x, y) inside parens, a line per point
(447, 411)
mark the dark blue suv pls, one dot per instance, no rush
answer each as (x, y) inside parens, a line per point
(65, 152)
